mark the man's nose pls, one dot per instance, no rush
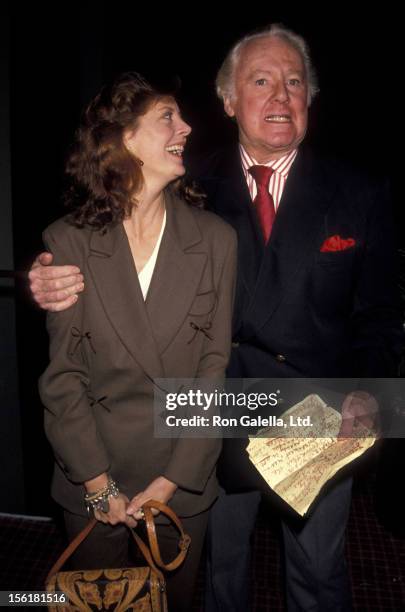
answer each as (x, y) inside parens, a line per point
(280, 92)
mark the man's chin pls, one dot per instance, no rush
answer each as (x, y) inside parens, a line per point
(283, 139)
(283, 142)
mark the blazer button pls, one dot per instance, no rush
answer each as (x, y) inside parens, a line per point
(280, 358)
(235, 344)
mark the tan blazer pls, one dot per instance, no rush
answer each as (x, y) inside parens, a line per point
(106, 350)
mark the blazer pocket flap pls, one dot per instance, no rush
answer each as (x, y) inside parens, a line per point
(203, 303)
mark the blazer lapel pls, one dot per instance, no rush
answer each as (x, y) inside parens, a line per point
(233, 203)
(116, 280)
(178, 272)
(296, 233)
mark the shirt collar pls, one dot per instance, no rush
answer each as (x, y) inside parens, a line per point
(281, 166)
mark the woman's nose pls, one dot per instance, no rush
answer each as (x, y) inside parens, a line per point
(184, 128)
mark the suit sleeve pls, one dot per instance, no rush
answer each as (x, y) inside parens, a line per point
(376, 322)
(194, 459)
(69, 422)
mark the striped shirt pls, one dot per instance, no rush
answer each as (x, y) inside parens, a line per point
(278, 179)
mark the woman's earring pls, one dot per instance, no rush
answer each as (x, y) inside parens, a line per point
(140, 162)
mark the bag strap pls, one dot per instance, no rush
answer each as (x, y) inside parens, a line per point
(75, 543)
(184, 541)
(152, 555)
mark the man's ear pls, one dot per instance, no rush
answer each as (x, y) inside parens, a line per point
(228, 106)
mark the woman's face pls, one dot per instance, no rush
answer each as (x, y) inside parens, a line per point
(158, 140)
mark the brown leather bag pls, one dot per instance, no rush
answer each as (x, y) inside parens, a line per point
(138, 589)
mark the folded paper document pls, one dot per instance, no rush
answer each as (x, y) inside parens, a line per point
(296, 461)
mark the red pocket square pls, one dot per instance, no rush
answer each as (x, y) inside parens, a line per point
(336, 243)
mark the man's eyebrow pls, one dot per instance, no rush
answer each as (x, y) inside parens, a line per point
(295, 70)
(259, 71)
(291, 70)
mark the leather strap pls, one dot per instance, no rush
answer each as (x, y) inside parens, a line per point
(152, 554)
(75, 543)
(184, 541)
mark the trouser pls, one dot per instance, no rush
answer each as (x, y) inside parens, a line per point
(315, 568)
(110, 547)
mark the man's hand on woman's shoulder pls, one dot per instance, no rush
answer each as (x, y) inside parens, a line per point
(54, 288)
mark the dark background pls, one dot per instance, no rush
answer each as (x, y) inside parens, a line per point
(59, 56)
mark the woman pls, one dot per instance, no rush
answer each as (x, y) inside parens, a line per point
(159, 273)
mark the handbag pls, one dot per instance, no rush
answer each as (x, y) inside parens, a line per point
(135, 589)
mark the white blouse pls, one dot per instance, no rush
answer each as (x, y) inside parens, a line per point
(145, 275)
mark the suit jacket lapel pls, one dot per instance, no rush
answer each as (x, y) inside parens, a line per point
(116, 280)
(179, 268)
(295, 235)
(146, 329)
(233, 203)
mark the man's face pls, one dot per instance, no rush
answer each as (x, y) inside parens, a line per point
(270, 101)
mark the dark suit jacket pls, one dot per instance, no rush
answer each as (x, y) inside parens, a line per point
(299, 311)
(107, 349)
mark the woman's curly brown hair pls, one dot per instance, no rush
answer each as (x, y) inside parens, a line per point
(104, 176)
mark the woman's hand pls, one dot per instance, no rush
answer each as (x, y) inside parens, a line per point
(117, 512)
(117, 505)
(160, 489)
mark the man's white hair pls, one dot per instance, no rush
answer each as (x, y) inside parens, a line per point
(225, 81)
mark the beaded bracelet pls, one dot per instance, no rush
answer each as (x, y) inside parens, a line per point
(99, 499)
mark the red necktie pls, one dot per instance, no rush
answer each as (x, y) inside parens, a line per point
(263, 202)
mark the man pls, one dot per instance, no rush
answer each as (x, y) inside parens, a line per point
(315, 298)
